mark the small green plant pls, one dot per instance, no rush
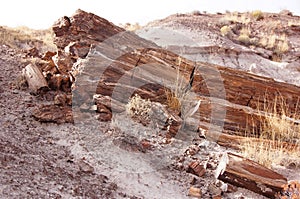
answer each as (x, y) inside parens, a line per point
(257, 15)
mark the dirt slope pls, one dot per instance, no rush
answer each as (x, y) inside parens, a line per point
(267, 46)
(32, 164)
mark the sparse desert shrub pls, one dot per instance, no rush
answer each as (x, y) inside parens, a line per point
(23, 37)
(232, 16)
(245, 19)
(138, 107)
(279, 44)
(235, 17)
(271, 41)
(279, 137)
(257, 15)
(282, 45)
(225, 30)
(254, 41)
(244, 38)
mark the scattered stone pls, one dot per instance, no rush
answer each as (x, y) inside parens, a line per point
(195, 192)
(78, 49)
(231, 188)
(196, 169)
(48, 56)
(34, 78)
(61, 99)
(146, 144)
(192, 150)
(33, 52)
(105, 113)
(63, 62)
(223, 186)
(59, 82)
(214, 191)
(85, 167)
(290, 190)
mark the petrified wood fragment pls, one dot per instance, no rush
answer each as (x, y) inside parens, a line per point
(248, 174)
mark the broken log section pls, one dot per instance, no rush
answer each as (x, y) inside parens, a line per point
(237, 142)
(34, 78)
(54, 113)
(248, 174)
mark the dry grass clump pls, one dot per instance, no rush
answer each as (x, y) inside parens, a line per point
(174, 96)
(179, 98)
(245, 39)
(244, 36)
(282, 45)
(257, 15)
(178, 94)
(279, 138)
(225, 30)
(173, 101)
(278, 43)
(236, 17)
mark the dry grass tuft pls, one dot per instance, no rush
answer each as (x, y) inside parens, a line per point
(244, 38)
(225, 30)
(172, 100)
(279, 138)
(178, 94)
(257, 15)
(278, 43)
(237, 18)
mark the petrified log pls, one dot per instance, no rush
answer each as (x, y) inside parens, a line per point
(248, 174)
(111, 68)
(34, 78)
(243, 92)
